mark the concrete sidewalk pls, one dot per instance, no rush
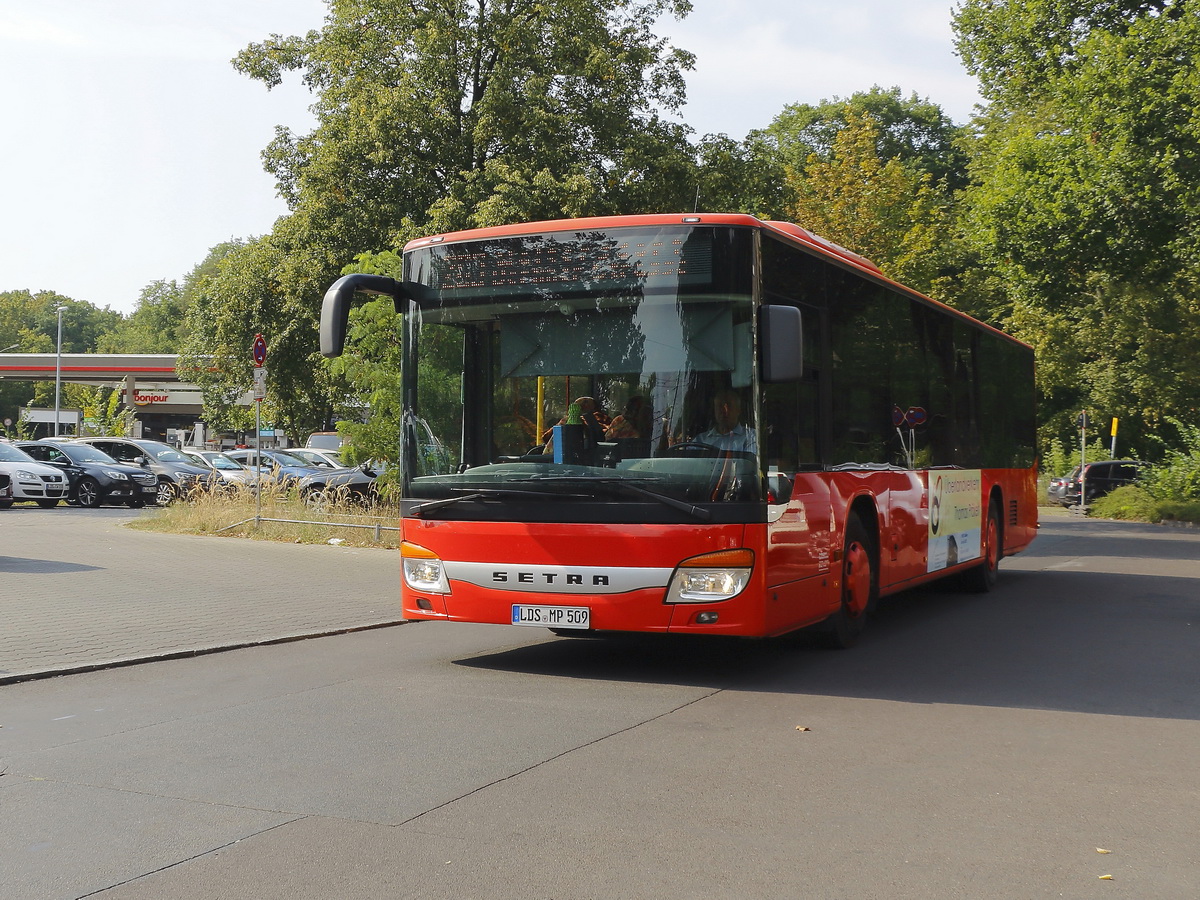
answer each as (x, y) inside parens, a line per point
(79, 592)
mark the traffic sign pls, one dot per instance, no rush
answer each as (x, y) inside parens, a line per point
(260, 350)
(260, 384)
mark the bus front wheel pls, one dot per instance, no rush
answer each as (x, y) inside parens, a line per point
(860, 586)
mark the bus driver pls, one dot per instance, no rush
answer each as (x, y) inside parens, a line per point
(728, 433)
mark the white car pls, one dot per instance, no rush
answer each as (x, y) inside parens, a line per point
(324, 459)
(31, 481)
(230, 470)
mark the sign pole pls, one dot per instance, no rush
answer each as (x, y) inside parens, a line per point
(259, 351)
(1082, 422)
(257, 463)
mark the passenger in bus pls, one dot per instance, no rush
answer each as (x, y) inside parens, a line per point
(728, 433)
(634, 421)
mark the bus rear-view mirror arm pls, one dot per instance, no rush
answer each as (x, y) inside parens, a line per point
(335, 308)
(782, 333)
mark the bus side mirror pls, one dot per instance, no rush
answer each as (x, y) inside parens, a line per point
(335, 308)
(781, 336)
(779, 487)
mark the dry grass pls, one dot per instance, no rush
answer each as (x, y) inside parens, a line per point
(233, 515)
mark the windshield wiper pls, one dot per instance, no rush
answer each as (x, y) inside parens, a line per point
(486, 494)
(703, 514)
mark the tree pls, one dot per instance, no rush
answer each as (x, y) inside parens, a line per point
(909, 129)
(1086, 206)
(1018, 49)
(886, 210)
(432, 118)
(31, 322)
(158, 323)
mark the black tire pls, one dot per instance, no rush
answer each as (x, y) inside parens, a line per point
(860, 588)
(6, 503)
(87, 493)
(47, 504)
(982, 578)
(167, 493)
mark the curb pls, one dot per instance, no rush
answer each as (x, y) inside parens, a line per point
(14, 678)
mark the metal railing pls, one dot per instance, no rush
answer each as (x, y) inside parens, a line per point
(377, 527)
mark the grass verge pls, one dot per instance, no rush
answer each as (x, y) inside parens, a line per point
(349, 524)
(1132, 503)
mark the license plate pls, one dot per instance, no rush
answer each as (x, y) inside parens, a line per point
(551, 616)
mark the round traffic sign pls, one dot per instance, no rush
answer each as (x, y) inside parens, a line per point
(260, 350)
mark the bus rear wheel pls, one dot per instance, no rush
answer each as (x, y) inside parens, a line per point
(860, 587)
(983, 577)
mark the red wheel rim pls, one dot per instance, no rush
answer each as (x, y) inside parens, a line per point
(993, 548)
(858, 578)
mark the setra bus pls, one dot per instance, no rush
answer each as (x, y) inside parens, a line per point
(691, 424)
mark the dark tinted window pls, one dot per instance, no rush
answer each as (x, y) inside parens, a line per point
(906, 382)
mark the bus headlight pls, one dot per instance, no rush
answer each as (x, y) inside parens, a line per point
(711, 577)
(423, 571)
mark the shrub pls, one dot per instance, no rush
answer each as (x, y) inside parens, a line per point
(1129, 502)
(1177, 477)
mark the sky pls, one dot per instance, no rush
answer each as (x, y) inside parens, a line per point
(129, 146)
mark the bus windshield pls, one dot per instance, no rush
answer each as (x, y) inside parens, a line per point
(603, 367)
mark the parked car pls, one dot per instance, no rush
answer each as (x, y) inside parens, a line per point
(30, 480)
(5, 489)
(1056, 490)
(176, 475)
(232, 472)
(324, 440)
(355, 484)
(277, 465)
(93, 476)
(1101, 478)
(322, 459)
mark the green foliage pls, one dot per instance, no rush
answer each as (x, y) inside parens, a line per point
(909, 129)
(1177, 477)
(104, 413)
(1084, 215)
(1134, 503)
(158, 322)
(30, 321)
(433, 118)
(1128, 502)
(882, 208)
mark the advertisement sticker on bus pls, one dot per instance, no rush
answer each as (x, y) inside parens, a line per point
(955, 518)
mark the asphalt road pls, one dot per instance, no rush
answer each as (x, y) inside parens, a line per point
(970, 746)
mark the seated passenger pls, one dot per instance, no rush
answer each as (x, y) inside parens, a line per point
(633, 422)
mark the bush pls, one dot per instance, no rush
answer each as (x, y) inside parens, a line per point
(1177, 477)
(1129, 502)
(1180, 511)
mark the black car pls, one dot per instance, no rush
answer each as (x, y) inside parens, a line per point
(175, 474)
(95, 477)
(355, 485)
(1100, 478)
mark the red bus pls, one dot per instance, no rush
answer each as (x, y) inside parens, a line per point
(692, 424)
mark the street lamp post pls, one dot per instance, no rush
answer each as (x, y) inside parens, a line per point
(58, 369)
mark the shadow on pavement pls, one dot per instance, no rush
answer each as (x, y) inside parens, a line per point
(27, 566)
(1071, 641)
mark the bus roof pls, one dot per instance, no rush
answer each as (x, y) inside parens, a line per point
(787, 230)
(793, 231)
